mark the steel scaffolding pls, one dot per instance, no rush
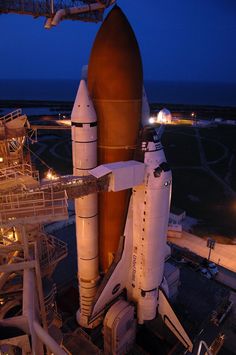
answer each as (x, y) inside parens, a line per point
(47, 8)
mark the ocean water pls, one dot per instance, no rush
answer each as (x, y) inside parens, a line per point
(219, 94)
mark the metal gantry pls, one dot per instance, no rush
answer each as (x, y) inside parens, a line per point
(83, 10)
(28, 255)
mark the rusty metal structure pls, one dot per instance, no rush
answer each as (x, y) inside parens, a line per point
(82, 10)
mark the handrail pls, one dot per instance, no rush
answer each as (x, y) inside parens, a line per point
(32, 204)
(11, 116)
(13, 172)
(52, 250)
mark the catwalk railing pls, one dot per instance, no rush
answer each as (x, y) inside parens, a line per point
(48, 202)
(33, 207)
(16, 171)
(12, 115)
(77, 186)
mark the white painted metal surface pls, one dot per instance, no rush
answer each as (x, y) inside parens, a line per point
(119, 328)
(151, 203)
(124, 174)
(84, 151)
(138, 266)
(30, 307)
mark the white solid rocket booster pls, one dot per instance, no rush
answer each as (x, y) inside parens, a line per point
(84, 151)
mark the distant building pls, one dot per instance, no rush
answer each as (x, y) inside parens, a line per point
(218, 120)
(177, 215)
(176, 218)
(174, 230)
(221, 121)
(204, 123)
(230, 122)
(164, 116)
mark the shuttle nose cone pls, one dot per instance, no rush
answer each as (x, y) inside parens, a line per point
(83, 109)
(115, 66)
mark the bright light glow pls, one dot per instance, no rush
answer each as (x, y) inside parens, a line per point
(151, 120)
(12, 235)
(64, 122)
(51, 175)
(193, 114)
(1, 159)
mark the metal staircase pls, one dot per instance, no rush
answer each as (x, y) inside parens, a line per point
(51, 252)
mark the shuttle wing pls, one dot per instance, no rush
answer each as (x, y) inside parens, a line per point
(171, 321)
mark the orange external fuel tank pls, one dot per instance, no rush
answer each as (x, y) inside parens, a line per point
(115, 83)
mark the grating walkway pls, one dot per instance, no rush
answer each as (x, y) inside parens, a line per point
(23, 200)
(77, 186)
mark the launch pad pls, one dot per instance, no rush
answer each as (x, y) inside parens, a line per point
(121, 185)
(59, 186)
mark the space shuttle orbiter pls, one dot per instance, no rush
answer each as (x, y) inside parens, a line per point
(138, 266)
(125, 233)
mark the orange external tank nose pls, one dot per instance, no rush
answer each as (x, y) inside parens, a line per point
(115, 83)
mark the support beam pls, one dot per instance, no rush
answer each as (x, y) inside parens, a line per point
(18, 266)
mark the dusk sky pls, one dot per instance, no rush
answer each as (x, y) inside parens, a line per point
(184, 40)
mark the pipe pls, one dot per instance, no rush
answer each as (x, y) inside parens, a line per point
(18, 322)
(30, 309)
(38, 335)
(7, 306)
(4, 275)
(77, 10)
(202, 342)
(48, 340)
(48, 23)
(52, 6)
(17, 266)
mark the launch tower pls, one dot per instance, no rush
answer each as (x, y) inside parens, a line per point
(28, 255)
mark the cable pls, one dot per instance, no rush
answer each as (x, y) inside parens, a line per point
(38, 157)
